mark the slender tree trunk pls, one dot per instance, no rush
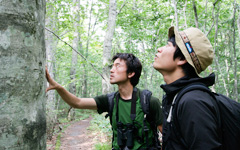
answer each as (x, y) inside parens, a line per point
(89, 36)
(107, 47)
(184, 11)
(76, 40)
(235, 54)
(176, 13)
(85, 79)
(238, 25)
(217, 53)
(195, 13)
(51, 44)
(205, 19)
(22, 86)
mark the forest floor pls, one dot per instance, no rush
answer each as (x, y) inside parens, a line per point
(77, 137)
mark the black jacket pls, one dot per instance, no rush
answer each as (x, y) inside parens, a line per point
(197, 117)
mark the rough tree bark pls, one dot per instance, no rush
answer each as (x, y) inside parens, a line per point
(22, 86)
(107, 47)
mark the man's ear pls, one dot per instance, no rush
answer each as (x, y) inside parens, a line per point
(182, 62)
(131, 74)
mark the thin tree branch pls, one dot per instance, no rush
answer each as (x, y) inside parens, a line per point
(212, 18)
(210, 29)
(122, 7)
(76, 52)
(215, 2)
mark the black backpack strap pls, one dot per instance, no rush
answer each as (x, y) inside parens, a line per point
(110, 105)
(145, 97)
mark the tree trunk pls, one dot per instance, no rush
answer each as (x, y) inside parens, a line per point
(206, 13)
(235, 90)
(85, 74)
(107, 47)
(51, 44)
(76, 40)
(238, 24)
(195, 13)
(216, 51)
(176, 13)
(184, 12)
(22, 86)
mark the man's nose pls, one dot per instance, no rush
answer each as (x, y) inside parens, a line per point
(111, 70)
(159, 49)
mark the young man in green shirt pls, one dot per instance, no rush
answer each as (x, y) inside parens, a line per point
(128, 132)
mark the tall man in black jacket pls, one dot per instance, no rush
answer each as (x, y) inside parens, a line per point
(195, 125)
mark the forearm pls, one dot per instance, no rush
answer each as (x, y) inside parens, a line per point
(68, 97)
(74, 101)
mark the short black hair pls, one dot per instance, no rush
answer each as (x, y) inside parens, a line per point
(133, 65)
(187, 68)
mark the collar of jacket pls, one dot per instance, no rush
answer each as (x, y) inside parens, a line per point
(176, 86)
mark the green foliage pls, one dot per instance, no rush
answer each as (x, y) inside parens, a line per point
(102, 146)
(142, 27)
(58, 142)
(100, 123)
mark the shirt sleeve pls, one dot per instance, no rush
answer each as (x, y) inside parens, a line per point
(102, 103)
(198, 121)
(156, 110)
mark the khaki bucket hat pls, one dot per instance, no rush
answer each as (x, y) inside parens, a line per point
(195, 46)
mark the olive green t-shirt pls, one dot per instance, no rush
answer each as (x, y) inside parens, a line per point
(125, 105)
(155, 107)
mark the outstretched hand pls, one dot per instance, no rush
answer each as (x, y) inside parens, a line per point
(52, 83)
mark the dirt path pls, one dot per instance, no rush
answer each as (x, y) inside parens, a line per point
(77, 137)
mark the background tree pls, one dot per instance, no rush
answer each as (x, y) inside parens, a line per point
(107, 46)
(51, 43)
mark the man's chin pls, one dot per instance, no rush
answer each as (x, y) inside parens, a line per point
(154, 65)
(112, 82)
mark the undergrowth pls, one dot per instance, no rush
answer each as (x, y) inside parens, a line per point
(102, 126)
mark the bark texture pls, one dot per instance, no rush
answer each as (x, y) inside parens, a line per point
(22, 86)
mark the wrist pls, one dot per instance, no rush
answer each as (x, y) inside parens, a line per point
(59, 87)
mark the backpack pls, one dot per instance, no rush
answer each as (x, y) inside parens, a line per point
(145, 97)
(229, 114)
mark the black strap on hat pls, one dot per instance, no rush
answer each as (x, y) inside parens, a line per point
(191, 51)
